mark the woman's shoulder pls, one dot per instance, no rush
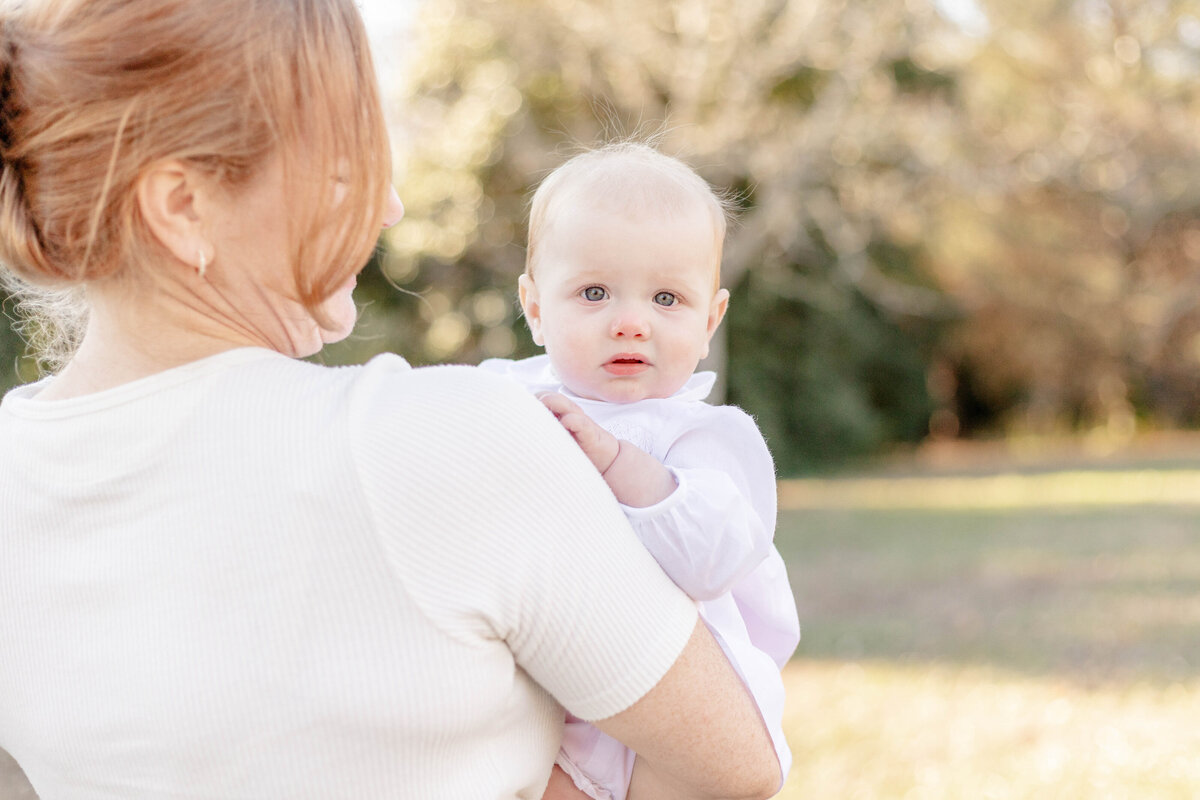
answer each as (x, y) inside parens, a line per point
(534, 373)
(389, 379)
(384, 388)
(455, 402)
(386, 378)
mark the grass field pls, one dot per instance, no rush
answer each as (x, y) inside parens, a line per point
(987, 636)
(1030, 635)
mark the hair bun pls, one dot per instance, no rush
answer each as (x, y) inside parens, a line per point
(6, 60)
(20, 243)
(21, 248)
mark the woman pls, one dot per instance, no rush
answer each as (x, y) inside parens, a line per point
(225, 573)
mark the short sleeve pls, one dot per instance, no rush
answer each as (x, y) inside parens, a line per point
(500, 528)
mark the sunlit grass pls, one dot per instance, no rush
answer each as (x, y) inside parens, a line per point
(1010, 490)
(882, 730)
(1015, 635)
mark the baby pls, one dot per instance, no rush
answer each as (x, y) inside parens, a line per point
(622, 287)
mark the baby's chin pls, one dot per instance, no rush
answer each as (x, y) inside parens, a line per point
(622, 393)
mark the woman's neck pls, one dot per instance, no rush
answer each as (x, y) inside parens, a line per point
(126, 341)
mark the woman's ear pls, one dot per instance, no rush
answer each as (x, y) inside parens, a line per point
(168, 195)
(530, 305)
(716, 313)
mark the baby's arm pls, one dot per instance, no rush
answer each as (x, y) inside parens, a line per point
(713, 529)
(718, 526)
(719, 522)
(636, 478)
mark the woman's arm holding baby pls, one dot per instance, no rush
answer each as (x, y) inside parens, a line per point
(699, 719)
(561, 787)
(696, 734)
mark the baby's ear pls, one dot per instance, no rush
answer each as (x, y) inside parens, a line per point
(716, 313)
(716, 310)
(531, 306)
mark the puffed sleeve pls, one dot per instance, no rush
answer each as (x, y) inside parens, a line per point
(500, 528)
(719, 523)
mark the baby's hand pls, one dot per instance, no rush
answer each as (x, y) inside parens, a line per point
(635, 477)
(600, 446)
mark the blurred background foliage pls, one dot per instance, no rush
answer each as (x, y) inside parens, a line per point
(960, 218)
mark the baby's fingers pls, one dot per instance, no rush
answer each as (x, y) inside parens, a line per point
(576, 422)
(558, 404)
(597, 444)
(568, 414)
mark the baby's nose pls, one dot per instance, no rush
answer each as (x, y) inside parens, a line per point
(630, 325)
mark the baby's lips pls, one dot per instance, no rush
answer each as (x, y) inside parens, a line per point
(628, 358)
(626, 367)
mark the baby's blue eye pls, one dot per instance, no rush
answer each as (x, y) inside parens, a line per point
(595, 293)
(665, 299)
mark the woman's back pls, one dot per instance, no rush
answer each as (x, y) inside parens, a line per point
(232, 579)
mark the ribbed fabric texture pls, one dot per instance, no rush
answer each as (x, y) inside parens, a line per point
(252, 577)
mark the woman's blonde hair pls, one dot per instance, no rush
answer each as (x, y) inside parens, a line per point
(632, 177)
(93, 92)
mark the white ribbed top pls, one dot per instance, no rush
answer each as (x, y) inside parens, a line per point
(252, 577)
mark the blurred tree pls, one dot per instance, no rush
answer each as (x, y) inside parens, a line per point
(1065, 233)
(959, 217)
(16, 366)
(815, 115)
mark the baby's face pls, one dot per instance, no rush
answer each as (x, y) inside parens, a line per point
(624, 307)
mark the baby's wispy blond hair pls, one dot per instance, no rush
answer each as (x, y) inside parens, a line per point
(632, 178)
